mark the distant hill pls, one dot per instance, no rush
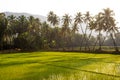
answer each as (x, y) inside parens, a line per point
(42, 18)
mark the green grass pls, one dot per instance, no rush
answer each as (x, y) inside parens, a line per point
(59, 66)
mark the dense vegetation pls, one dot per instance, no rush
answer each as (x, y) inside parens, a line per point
(29, 33)
(59, 66)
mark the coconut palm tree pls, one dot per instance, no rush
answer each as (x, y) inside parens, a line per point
(109, 25)
(22, 25)
(45, 34)
(50, 16)
(98, 28)
(66, 20)
(78, 20)
(53, 18)
(77, 23)
(91, 27)
(11, 18)
(31, 21)
(33, 30)
(87, 19)
(11, 24)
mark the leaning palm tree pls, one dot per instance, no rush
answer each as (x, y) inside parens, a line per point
(65, 27)
(91, 27)
(87, 19)
(109, 25)
(78, 20)
(98, 28)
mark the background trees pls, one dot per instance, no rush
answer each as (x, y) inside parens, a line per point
(84, 32)
(3, 27)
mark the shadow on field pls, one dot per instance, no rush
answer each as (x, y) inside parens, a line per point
(57, 67)
(63, 67)
(15, 63)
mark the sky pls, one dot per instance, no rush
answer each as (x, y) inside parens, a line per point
(60, 7)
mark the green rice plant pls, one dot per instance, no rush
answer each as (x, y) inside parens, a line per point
(59, 66)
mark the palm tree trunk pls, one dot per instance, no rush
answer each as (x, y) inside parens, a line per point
(95, 45)
(81, 42)
(88, 40)
(0, 45)
(99, 41)
(72, 43)
(82, 29)
(104, 38)
(114, 42)
(84, 37)
(64, 42)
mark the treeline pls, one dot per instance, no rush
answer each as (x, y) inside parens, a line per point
(84, 32)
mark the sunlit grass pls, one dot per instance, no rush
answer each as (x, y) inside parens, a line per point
(59, 66)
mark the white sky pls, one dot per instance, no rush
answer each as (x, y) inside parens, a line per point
(60, 7)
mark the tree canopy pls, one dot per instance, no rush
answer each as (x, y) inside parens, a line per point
(29, 33)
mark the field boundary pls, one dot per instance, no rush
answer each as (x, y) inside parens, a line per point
(85, 71)
(71, 68)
